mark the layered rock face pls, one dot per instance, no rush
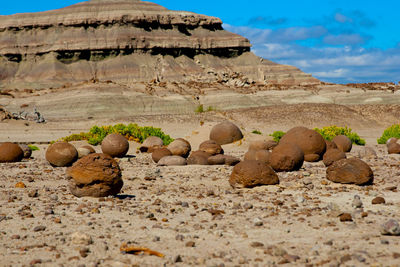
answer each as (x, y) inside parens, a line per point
(127, 41)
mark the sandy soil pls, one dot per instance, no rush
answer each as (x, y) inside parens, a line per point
(190, 213)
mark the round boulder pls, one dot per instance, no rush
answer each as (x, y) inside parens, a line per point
(159, 153)
(343, 143)
(180, 147)
(115, 145)
(151, 143)
(225, 133)
(251, 173)
(391, 140)
(393, 148)
(223, 159)
(198, 158)
(309, 141)
(95, 175)
(330, 145)
(10, 152)
(84, 151)
(259, 145)
(27, 151)
(350, 171)
(261, 155)
(61, 154)
(172, 161)
(332, 155)
(286, 157)
(211, 147)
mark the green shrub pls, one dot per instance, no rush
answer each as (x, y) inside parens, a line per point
(330, 132)
(199, 109)
(392, 131)
(256, 132)
(33, 148)
(132, 132)
(277, 135)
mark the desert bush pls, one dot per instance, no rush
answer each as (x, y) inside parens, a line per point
(256, 132)
(200, 109)
(329, 132)
(132, 132)
(277, 135)
(392, 131)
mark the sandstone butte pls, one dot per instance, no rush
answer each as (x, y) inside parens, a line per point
(128, 41)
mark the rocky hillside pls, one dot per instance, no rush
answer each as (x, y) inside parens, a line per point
(128, 41)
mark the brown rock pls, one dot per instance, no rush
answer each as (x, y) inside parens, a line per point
(83, 151)
(378, 200)
(345, 217)
(159, 153)
(330, 144)
(332, 155)
(391, 140)
(286, 157)
(27, 151)
(115, 145)
(309, 141)
(223, 159)
(262, 145)
(211, 147)
(180, 147)
(312, 157)
(90, 148)
(225, 133)
(61, 154)
(152, 142)
(252, 173)
(393, 148)
(262, 155)
(198, 158)
(350, 171)
(95, 175)
(343, 143)
(172, 161)
(10, 152)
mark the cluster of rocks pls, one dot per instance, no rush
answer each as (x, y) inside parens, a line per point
(210, 152)
(300, 144)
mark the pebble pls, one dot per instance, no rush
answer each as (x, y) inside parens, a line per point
(378, 200)
(258, 222)
(345, 217)
(33, 193)
(357, 203)
(178, 258)
(81, 238)
(390, 227)
(39, 228)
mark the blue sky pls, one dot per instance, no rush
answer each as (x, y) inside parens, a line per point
(335, 40)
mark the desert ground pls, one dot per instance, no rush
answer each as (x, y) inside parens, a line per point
(191, 214)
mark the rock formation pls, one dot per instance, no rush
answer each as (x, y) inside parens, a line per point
(127, 41)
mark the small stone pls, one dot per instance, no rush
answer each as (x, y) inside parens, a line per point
(156, 239)
(247, 206)
(185, 204)
(396, 255)
(15, 237)
(36, 261)
(345, 217)
(81, 238)
(84, 252)
(390, 227)
(258, 222)
(190, 244)
(256, 244)
(178, 258)
(33, 193)
(39, 228)
(357, 203)
(384, 242)
(20, 185)
(378, 200)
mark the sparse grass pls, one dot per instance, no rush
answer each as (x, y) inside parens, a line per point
(33, 148)
(256, 132)
(200, 109)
